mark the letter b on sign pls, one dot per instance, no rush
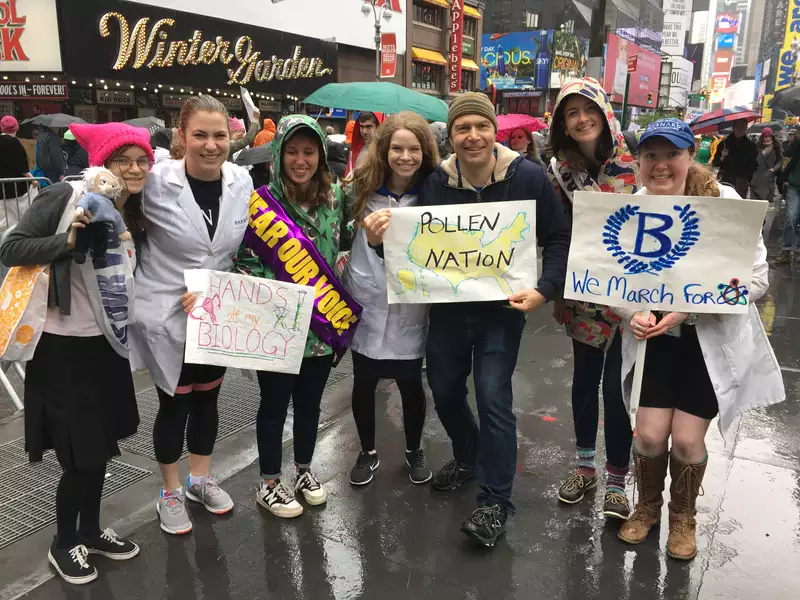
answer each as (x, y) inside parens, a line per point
(651, 241)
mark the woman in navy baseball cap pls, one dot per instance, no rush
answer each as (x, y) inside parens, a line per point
(688, 380)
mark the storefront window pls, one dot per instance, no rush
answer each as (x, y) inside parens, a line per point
(428, 15)
(425, 76)
(470, 27)
(469, 81)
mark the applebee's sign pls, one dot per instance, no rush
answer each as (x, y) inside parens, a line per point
(456, 44)
(29, 36)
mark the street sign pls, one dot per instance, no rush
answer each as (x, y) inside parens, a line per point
(633, 62)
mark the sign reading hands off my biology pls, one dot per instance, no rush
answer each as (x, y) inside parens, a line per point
(460, 253)
(247, 322)
(671, 253)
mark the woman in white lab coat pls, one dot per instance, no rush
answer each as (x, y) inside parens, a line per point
(196, 213)
(696, 366)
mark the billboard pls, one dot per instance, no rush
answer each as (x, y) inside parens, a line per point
(785, 72)
(512, 61)
(728, 23)
(329, 20)
(23, 25)
(725, 41)
(681, 81)
(569, 57)
(644, 80)
(677, 19)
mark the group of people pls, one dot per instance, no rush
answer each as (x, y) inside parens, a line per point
(192, 213)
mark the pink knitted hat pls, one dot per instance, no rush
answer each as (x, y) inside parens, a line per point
(235, 124)
(9, 124)
(101, 141)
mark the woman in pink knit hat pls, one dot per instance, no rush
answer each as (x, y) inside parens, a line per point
(79, 395)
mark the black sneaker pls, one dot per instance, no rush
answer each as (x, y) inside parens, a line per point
(111, 546)
(616, 505)
(486, 524)
(72, 564)
(366, 465)
(575, 487)
(418, 470)
(452, 475)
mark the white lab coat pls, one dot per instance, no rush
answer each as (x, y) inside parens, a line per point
(739, 358)
(177, 240)
(386, 332)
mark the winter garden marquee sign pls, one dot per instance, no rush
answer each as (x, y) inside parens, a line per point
(673, 253)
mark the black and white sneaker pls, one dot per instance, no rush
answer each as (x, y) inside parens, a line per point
(486, 524)
(110, 545)
(279, 500)
(418, 469)
(72, 564)
(366, 465)
(452, 475)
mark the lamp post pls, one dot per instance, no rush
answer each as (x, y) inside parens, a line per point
(378, 9)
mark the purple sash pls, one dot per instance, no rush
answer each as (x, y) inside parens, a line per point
(282, 246)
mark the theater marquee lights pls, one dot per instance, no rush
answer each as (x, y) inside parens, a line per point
(151, 48)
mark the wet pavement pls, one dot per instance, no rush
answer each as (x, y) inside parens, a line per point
(393, 539)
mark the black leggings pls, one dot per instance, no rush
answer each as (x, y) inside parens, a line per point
(197, 405)
(78, 494)
(408, 376)
(592, 365)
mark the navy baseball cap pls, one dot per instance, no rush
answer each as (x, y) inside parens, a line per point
(675, 131)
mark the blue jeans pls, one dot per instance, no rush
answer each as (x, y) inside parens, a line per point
(488, 340)
(791, 219)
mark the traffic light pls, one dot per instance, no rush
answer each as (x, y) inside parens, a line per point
(650, 97)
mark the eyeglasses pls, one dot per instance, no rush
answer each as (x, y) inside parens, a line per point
(124, 164)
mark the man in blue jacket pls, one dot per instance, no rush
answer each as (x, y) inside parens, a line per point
(484, 337)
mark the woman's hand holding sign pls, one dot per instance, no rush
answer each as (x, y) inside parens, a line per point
(375, 225)
(644, 328)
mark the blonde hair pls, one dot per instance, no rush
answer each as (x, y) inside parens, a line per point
(374, 170)
(700, 181)
(195, 104)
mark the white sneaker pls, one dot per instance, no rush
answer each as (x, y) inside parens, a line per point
(279, 500)
(313, 492)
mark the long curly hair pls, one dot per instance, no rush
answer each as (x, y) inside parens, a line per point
(374, 170)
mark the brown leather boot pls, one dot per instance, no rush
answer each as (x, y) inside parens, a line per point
(686, 485)
(650, 474)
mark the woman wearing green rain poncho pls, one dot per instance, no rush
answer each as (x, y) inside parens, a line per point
(301, 183)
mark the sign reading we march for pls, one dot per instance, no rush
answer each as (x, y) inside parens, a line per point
(671, 253)
(460, 253)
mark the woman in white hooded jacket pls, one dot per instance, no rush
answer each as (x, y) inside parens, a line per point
(725, 362)
(390, 340)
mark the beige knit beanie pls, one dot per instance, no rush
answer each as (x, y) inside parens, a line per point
(471, 103)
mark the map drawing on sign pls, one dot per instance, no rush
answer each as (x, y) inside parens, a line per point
(462, 253)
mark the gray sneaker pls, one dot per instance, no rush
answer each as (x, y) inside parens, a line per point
(171, 509)
(210, 495)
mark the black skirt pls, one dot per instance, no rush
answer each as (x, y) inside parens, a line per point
(79, 400)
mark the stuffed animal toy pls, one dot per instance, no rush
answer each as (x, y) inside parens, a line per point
(102, 188)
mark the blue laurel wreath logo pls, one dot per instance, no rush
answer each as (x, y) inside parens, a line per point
(690, 234)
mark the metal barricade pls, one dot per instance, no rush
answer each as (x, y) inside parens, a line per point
(17, 194)
(15, 202)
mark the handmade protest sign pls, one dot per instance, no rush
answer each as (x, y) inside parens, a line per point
(247, 322)
(671, 253)
(460, 253)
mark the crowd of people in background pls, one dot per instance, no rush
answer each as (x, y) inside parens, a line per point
(186, 200)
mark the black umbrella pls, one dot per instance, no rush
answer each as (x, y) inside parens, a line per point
(759, 127)
(55, 121)
(787, 100)
(149, 123)
(254, 156)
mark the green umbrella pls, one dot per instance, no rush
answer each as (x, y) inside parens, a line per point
(378, 96)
